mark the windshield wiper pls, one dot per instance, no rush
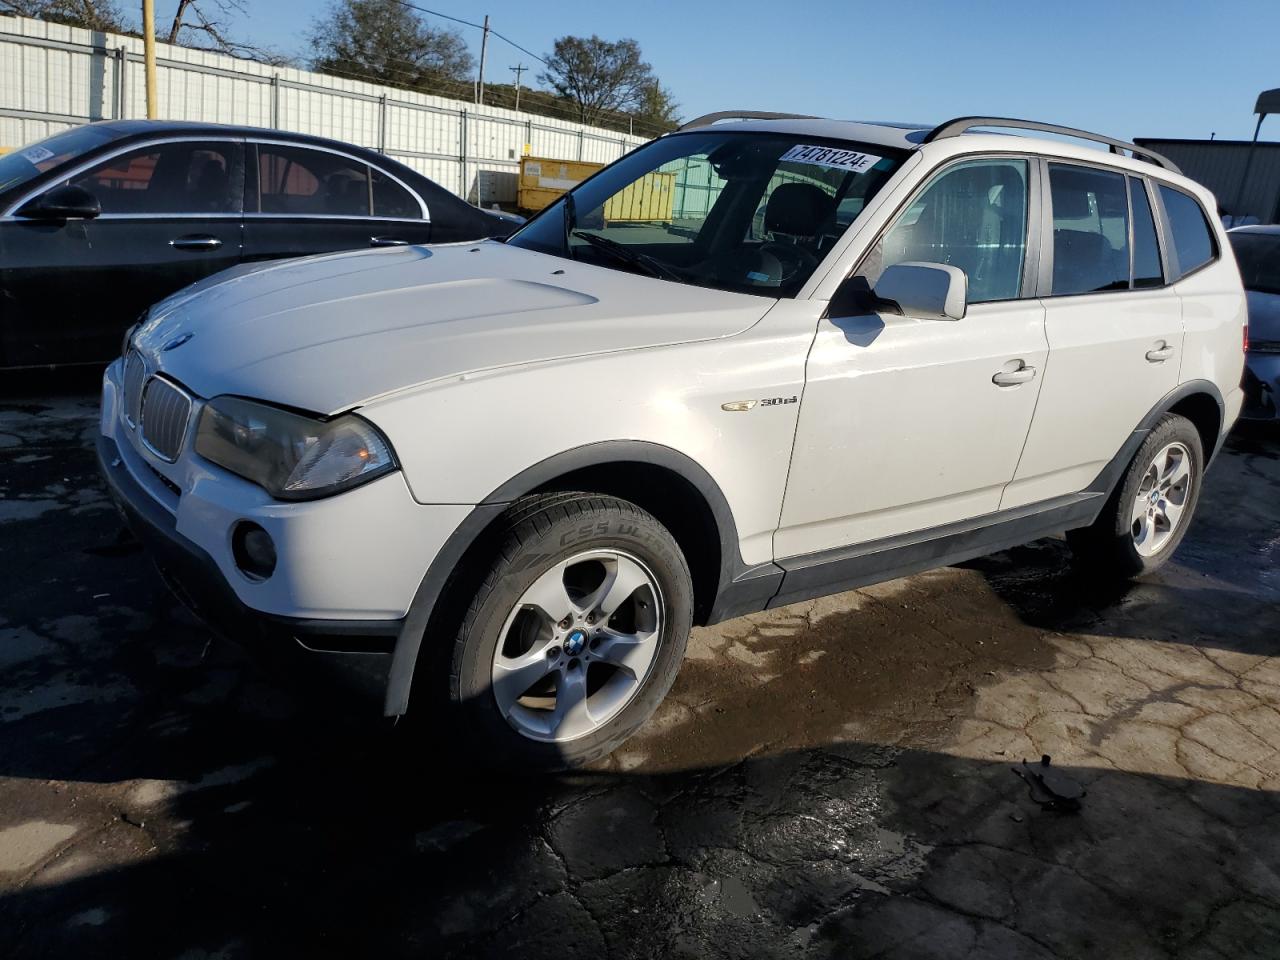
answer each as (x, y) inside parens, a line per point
(655, 268)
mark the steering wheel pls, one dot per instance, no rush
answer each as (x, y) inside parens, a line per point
(792, 258)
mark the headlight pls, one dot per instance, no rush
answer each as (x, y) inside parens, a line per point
(291, 456)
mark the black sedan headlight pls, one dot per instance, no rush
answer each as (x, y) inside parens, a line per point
(291, 456)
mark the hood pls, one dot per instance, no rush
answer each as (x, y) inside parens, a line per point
(328, 333)
(1264, 315)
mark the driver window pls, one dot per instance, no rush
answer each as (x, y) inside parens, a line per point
(180, 178)
(972, 216)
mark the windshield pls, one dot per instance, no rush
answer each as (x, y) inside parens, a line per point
(746, 212)
(1259, 257)
(27, 163)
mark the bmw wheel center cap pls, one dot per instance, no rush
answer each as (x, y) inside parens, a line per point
(574, 642)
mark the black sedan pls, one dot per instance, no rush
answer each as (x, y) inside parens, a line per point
(1257, 250)
(100, 221)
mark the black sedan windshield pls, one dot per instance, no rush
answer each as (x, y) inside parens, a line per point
(30, 161)
(747, 212)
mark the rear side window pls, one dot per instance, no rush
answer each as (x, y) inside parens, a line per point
(392, 200)
(296, 180)
(1147, 271)
(1090, 230)
(1192, 241)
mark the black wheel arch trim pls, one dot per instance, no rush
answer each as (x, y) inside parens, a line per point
(737, 584)
(1107, 480)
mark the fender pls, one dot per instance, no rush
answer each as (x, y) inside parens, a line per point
(735, 578)
(1107, 480)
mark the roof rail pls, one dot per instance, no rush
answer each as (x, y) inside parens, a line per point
(953, 128)
(707, 119)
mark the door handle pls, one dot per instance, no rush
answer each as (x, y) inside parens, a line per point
(1160, 354)
(387, 242)
(194, 242)
(1011, 378)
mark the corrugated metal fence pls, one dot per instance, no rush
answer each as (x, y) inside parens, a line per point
(53, 77)
(1221, 164)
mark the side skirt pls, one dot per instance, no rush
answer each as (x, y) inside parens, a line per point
(833, 571)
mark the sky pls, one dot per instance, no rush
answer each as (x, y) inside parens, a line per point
(1127, 68)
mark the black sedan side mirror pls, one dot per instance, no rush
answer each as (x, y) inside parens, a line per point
(67, 202)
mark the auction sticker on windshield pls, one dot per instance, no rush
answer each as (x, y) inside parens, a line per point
(854, 160)
(37, 154)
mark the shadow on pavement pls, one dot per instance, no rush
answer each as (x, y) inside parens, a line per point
(849, 850)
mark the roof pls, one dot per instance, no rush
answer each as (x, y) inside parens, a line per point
(141, 128)
(976, 133)
(884, 134)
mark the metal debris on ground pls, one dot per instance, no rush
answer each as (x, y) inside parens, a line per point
(1049, 788)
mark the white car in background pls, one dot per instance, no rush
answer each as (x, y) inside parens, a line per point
(506, 478)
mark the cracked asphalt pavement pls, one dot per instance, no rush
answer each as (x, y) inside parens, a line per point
(831, 779)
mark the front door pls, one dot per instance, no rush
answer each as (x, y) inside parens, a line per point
(908, 424)
(304, 200)
(170, 216)
(1114, 328)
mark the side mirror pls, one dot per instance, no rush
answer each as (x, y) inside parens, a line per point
(67, 202)
(929, 291)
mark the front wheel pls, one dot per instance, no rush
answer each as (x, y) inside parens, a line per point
(1147, 515)
(574, 636)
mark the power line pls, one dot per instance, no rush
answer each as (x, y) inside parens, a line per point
(469, 23)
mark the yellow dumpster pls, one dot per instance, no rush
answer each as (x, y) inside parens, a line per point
(542, 180)
(648, 200)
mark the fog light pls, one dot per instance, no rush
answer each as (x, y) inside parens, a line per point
(253, 550)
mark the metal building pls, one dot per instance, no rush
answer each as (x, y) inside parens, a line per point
(1221, 166)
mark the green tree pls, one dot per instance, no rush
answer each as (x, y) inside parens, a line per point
(658, 107)
(599, 77)
(383, 41)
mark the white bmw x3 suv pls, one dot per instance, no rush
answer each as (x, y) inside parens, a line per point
(747, 364)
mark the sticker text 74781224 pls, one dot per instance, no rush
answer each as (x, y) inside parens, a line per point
(853, 160)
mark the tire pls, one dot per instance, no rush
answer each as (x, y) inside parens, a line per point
(596, 676)
(1129, 539)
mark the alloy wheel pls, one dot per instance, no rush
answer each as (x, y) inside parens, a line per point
(578, 645)
(1162, 499)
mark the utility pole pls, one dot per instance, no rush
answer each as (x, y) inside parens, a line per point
(149, 50)
(484, 48)
(518, 69)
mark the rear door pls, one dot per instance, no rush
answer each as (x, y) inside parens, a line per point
(1114, 327)
(170, 216)
(303, 200)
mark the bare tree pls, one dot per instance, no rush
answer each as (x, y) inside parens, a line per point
(599, 76)
(203, 24)
(91, 14)
(383, 41)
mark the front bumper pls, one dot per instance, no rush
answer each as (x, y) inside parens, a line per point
(1261, 386)
(357, 653)
(349, 566)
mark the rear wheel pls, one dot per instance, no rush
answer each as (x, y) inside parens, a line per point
(1148, 514)
(574, 636)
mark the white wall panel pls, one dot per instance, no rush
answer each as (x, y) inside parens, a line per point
(53, 77)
